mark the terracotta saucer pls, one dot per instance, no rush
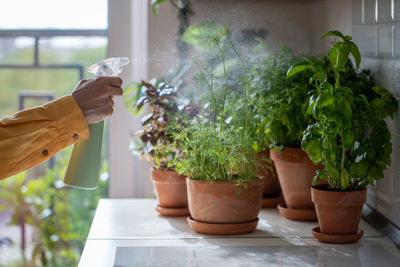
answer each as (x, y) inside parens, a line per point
(222, 228)
(172, 211)
(269, 203)
(336, 239)
(297, 214)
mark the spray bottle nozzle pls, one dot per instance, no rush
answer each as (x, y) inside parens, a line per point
(108, 67)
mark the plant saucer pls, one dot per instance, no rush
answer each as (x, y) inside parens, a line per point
(297, 214)
(336, 239)
(163, 211)
(222, 228)
(270, 203)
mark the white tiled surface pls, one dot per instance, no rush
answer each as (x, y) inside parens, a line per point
(137, 218)
(379, 42)
(133, 223)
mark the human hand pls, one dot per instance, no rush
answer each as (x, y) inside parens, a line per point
(95, 97)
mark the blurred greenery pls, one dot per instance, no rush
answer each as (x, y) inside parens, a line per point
(61, 217)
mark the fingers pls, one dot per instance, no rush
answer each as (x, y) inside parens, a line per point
(98, 114)
(82, 82)
(109, 80)
(111, 85)
(108, 101)
(95, 97)
(115, 91)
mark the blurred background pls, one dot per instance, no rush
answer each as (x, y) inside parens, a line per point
(45, 49)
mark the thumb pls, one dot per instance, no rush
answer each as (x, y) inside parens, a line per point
(82, 82)
(78, 86)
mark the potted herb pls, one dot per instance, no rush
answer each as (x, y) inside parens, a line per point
(282, 106)
(154, 142)
(223, 190)
(265, 73)
(349, 137)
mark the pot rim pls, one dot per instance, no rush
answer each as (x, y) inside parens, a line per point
(157, 170)
(338, 198)
(291, 155)
(257, 179)
(335, 191)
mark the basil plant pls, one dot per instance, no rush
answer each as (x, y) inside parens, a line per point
(349, 136)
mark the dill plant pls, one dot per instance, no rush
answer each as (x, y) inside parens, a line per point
(215, 147)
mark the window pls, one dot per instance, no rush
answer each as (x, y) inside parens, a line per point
(45, 49)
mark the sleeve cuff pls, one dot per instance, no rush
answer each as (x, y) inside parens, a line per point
(69, 119)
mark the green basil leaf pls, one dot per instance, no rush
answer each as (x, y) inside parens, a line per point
(344, 179)
(363, 167)
(312, 102)
(324, 100)
(155, 4)
(333, 33)
(315, 180)
(347, 111)
(356, 53)
(296, 68)
(353, 169)
(348, 139)
(348, 38)
(371, 155)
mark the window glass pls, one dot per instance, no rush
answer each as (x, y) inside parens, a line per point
(72, 50)
(16, 50)
(56, 14)
(12, 81)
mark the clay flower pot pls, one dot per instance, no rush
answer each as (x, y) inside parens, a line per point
(213, 204)
(170, 189)
(295, 173)
(338, 212)
(271, 187)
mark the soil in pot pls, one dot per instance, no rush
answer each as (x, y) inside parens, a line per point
(224, 203)
(271, 190)
(295, 173)
(338, 212)
(170, 189)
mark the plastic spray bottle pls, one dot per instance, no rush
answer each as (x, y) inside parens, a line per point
(84, 164)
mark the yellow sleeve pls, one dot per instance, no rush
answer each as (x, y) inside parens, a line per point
(34, 135)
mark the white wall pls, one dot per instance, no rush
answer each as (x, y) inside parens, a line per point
(127, 37)
(329, 15)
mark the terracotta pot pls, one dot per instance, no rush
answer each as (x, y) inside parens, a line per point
(224, 202)
(271, 187)
(170, 188)
(338, 212)
(295, 173)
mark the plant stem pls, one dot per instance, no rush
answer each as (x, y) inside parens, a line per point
(246, 93)
(337, 82)
(209, 87)
(343, 155)
(225, 87)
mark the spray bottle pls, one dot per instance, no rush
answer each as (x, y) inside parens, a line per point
(84, 164)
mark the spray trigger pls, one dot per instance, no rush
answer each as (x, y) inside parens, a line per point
(108, 67)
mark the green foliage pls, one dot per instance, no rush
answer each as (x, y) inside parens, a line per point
(216, 145)
(154, 141)
(201, 35)
(349, 135)
(60, 216)
(280, 104)
(155, 4)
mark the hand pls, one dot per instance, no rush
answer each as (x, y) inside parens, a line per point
(95, 97)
